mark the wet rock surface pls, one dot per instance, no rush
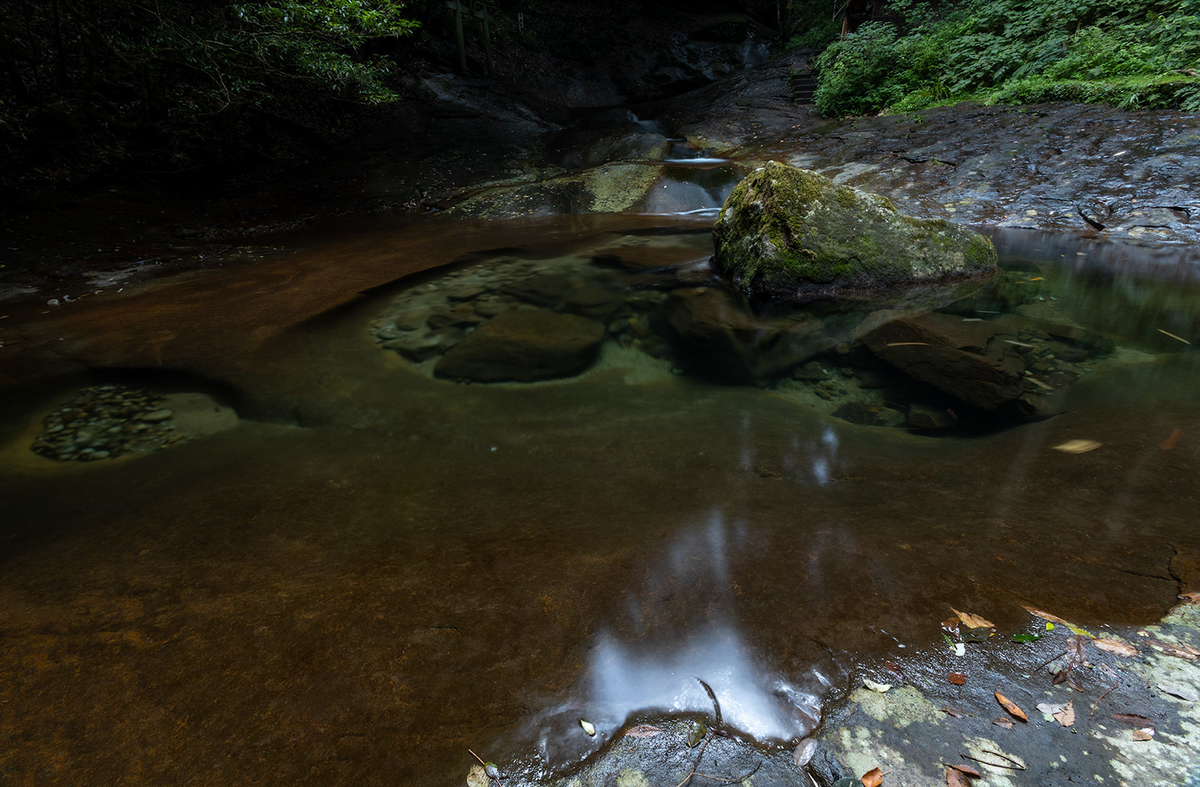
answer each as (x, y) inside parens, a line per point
(1133, 719)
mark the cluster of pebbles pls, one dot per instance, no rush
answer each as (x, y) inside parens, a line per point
(106, 421)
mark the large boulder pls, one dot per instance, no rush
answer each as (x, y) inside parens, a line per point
(787, 233)
(524, 345)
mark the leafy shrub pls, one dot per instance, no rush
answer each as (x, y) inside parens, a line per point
(1014, 50)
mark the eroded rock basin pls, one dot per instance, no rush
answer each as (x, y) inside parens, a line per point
(376, 569)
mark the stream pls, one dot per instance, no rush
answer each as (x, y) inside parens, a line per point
(362, 541)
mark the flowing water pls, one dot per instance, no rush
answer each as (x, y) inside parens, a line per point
(380, 564)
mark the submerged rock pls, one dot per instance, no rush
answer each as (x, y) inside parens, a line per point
(963, 359)
(524, 345)
(729, 339)
(787, 233)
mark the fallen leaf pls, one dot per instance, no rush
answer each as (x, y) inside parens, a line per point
(1066, 717)
(1192, 596)
(1027, 637)
(879, 687)
(1172, 440)
(950, 624)
(491, 770)
(1180, 690)
(967, 769)
(974, 621)
(951, 711)
(1115, 646)
(872, 778)
(957, 678)
(1045, 615)
(1077, 447)
(643, 731)
(1143, 735)
(1036, 278)
(804, 752)
(980, 634)
(956, 778)
(1010, 706)
(1003, 721)
(587, 727)
(696, 734)
(477, 777)
(1051, 708)
(1133, 719)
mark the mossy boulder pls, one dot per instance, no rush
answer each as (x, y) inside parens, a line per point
(790, 234)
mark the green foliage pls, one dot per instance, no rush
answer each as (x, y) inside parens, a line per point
(1128, 53)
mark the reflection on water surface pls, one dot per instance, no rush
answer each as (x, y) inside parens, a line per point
(377, 568)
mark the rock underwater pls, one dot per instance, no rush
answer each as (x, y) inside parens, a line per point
(790, 234)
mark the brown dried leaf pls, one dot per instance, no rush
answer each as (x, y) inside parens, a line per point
(1074, 651)
(957, 678)
(955, 713)
(1010, 706)
(1133, 720)
(1003, 721)
(956, 778)
(804, 752)
(872, 778)
(968, 770)
(1115, 646)
(1047, 616)
(1143, 735)
(1192, 596)
(974, 621)
(1066, 717)
(643, 731)
(950, 625)
(1172, 440)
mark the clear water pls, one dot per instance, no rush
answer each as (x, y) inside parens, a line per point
(377, 569)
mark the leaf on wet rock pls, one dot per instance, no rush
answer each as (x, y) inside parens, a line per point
(879, 687)
(956, 778)
(643, 731)
(973, 621)
(872, 778)
(1077, 446)
(1133, 720)
(1026, 637)
(967, 769)
(696, 734)
(805, 750)
(950, 624)
(1180, 690)
(1010, 706)
(491, 770)
(1115, 646)
(1061, 712)
(957, 678)
(588, 727)
(1143, 734)
(477, 777)
(1003, 721)
(1045, 616)
(1191, 597)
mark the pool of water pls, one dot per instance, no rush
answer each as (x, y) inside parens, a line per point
(386, 561)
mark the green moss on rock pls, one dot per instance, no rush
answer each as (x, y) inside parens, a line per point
(788, 233)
